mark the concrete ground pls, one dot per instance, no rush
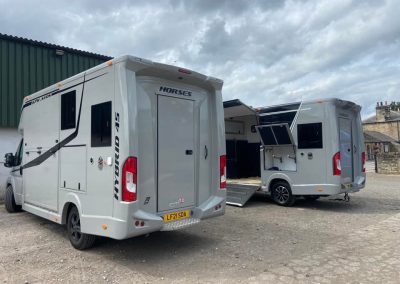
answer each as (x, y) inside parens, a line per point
(327, 241)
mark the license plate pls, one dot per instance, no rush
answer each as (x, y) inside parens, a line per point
(169, 217)
(347, 185)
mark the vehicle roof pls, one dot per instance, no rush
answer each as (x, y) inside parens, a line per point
(335, 101)
(127, 58)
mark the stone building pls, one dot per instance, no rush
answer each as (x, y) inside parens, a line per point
(382, 132)
(382, 129)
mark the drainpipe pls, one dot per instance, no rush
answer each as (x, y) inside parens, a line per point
(398, 132)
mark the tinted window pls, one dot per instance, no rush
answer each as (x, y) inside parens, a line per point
(282, 135)
(309, 136)
(294, 106)
(101, 125)
(68, 110)
(286, 117)
(18, 154)
(267, 136)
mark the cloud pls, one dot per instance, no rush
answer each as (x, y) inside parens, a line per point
(267, 52)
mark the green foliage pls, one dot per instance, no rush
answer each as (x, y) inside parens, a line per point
(395, 105)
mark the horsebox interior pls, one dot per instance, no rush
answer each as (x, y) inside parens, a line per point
(242, 143)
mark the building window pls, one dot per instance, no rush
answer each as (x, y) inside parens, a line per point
(101, 125)
(309, 136)
(68, 110)
(386, 148)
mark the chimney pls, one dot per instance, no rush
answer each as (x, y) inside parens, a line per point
(382, 112)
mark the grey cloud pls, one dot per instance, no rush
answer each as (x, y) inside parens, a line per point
(267, 52)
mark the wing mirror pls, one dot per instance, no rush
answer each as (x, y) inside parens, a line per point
(9, 160)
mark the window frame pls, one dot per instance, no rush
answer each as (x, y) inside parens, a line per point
(94, 141)
(65, 125)
(310, 143)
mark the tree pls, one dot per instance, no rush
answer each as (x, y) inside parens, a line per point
(395, 105)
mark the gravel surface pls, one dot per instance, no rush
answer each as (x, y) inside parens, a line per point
(325, 241)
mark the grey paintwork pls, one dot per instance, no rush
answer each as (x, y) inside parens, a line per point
(310, 171)
(313, 174)
(89, 177)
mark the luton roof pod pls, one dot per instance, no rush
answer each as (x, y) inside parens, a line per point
(307, 149)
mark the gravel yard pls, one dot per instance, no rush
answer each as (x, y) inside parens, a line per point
(328, 241)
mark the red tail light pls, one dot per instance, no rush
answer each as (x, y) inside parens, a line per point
(337, 169)
(222, 172)
(363, 161)
(129, 180)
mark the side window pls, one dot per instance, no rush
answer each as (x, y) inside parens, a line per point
(68, 110)
(101, 125)
(18, 154)
(309, 136)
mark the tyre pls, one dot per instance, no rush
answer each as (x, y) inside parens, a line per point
(9, 201)
(282, 194)
(78, 239)
(311, 197)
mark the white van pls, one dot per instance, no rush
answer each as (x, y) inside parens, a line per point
(126, 148)
(308, 149)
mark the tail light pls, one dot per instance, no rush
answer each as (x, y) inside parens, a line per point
(363, 161)
(129, 180)
(222, 171)
(337, 169)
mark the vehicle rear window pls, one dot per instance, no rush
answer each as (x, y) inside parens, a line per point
(309, 136)
(68, 110)
(101, 125)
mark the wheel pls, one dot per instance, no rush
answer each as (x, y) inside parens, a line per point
(311, 197)
(78, 239)
(11, 206)
(282, 194)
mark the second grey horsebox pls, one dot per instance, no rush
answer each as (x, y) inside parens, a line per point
(123, 149)
(307, 149)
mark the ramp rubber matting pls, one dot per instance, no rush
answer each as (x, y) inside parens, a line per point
(239, 194)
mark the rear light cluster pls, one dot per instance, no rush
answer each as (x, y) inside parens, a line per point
(129, 180)
(337, 169)
(222, 172)
(363, 161)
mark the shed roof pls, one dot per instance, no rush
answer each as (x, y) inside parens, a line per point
(54, 46)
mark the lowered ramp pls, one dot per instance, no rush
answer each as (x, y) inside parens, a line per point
(239, 191)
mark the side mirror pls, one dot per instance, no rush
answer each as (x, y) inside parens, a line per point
(9, 160)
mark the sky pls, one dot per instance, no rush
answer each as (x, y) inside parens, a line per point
(267, 51)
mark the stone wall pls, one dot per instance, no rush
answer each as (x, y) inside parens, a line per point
(388, 128)
(388, 163)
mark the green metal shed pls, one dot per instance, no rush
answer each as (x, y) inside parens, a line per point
(27, 66)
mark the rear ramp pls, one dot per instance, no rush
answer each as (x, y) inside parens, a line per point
(241, 190)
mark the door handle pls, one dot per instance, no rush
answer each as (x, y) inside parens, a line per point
(205, 152)
(309, 155)
(189, 152)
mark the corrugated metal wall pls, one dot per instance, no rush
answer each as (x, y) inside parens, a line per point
(28, 66)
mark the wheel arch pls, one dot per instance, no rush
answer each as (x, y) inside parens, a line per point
(71, 200)
(274, 181)
(277, 177)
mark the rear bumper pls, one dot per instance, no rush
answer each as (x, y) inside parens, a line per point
(329, 189)
(123, 229)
